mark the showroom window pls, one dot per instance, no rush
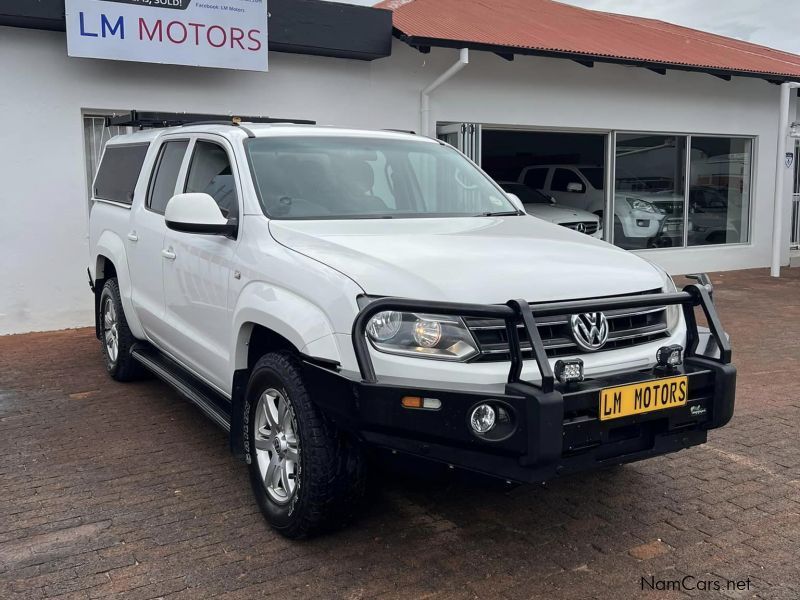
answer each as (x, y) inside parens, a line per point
(719, 190)
(654, 207)
(649, 188)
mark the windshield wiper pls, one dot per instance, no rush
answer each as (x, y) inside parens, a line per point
(507, 213)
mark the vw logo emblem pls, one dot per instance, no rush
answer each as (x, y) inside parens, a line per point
(580, 227)
(589, 330)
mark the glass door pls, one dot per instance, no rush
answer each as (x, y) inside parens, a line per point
(464, 136)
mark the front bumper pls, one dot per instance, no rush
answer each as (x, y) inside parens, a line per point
(553, 428)
(554, 433)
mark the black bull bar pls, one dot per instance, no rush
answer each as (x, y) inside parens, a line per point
(516, 312)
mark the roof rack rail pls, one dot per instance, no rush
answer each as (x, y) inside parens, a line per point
(147, 119)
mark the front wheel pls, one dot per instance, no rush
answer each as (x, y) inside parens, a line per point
(306, 476)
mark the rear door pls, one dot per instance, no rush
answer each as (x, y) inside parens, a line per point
(145, 239)
(198, 271)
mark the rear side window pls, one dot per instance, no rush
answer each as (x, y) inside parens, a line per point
(119, 171)
(534, 178)
(210, 172)
(168, 164)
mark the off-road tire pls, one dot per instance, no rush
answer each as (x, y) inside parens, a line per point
(332, 474)
(123, 367)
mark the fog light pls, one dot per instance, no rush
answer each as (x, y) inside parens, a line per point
(569, 371)
(669, 356)
(482, 418)
(643, 222)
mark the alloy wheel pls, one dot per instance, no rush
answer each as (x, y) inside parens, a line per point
(277, 446)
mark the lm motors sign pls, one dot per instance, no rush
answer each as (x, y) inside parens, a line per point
(230, 34)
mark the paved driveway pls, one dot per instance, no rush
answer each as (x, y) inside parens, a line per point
(126, 490)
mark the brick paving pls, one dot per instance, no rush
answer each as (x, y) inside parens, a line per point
(112, 490)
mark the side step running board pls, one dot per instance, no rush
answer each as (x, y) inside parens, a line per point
(215, 406)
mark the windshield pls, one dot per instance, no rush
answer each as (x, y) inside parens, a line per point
(526, 194)
(358, 178)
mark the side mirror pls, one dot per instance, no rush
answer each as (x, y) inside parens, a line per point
(552, 200)
(576, 188)
(197, 213)
(516, 202)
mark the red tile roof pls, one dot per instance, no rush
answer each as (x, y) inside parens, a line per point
(551, 28)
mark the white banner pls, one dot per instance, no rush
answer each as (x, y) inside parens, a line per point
(229, 34)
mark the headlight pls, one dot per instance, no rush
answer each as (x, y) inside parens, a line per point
(644, 205)
(424, 336)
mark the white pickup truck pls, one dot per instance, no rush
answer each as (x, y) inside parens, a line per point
(319, 292)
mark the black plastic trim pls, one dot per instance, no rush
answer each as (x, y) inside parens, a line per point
(209, 401)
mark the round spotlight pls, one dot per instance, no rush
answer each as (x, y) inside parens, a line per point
(482, 418)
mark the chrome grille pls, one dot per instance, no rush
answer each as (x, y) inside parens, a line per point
(589, 227)
(627, 327)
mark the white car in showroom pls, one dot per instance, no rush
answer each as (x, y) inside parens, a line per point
(545, 207)
(636, 220)
(321, 293)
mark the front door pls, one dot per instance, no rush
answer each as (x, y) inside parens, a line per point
(199, 268)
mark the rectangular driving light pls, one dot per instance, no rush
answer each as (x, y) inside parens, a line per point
(569, 371)
(669, 357)
(418, 402)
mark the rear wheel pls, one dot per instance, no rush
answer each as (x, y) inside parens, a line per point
(307, 477)
(116, 336)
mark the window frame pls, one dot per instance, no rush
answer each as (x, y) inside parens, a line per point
(183, 177)
(752, 174)
(157, 165)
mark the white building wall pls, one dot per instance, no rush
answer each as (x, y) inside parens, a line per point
(43, 244)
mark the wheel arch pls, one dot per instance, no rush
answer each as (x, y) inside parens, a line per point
(275, 318)
(110, 259)
(271, 319)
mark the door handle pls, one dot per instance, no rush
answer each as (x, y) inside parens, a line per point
(168, 253)
(133, 237)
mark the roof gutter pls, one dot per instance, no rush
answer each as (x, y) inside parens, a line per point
(425, 95)
(780, 168)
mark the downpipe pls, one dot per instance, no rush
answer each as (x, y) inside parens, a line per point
(777, 216)
(425, 95)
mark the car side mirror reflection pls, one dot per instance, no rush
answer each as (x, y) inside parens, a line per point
(576, 188)
(197, 213)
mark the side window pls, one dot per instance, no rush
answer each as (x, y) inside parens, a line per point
(562, 178)
(534, 178)
(119, 171)
(162, 186)
(210, 172)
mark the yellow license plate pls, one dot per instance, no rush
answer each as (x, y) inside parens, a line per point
(640, 398)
